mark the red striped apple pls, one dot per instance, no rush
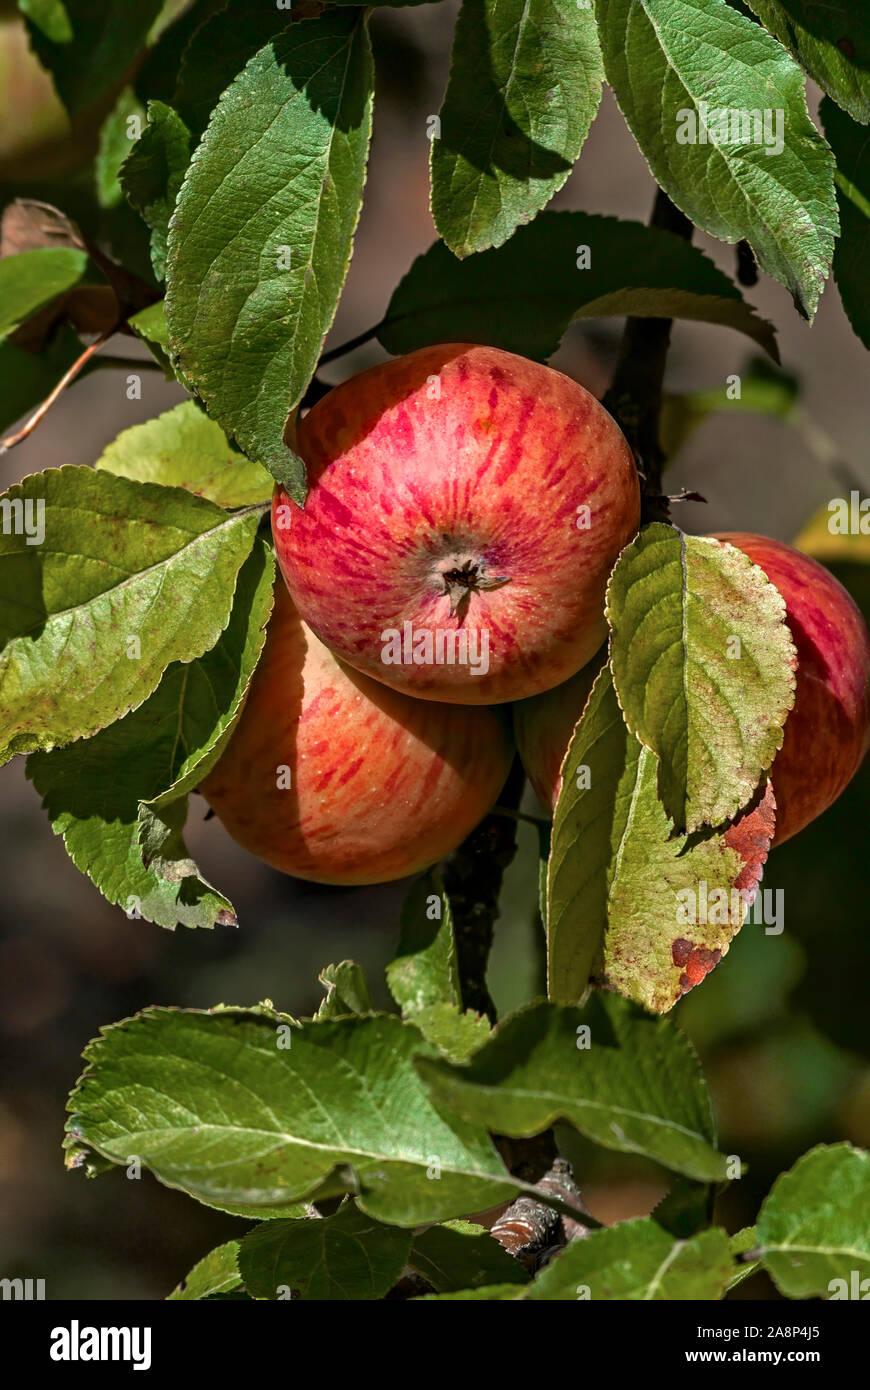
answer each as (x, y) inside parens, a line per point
(466, 507)
(333, 777)
(828, 729)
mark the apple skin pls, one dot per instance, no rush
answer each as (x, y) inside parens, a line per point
(459, 455)
(828, 729)
(543, 726)
(381, 785)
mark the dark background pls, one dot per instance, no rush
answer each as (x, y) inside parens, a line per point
(781, 1025)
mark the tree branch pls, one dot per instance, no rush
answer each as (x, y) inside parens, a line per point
(635, 395)
(66, 380)
(533, 1232)
(472, 879)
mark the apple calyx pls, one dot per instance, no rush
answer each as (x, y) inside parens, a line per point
(464, 575)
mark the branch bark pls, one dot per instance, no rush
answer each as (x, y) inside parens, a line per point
(533, 1232)
(472, 878)
(635, 395)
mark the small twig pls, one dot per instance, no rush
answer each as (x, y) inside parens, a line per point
(681, 496)
(352, 343)
(39, 414)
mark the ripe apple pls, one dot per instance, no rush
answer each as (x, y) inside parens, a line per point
(465, 510)
(543, 726)
(380, 785)
(828, 729)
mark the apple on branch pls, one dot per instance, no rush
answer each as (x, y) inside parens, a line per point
(466, 507)
(334, 777)
(828, 729)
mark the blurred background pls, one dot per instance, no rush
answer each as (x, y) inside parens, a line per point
(781, 1025)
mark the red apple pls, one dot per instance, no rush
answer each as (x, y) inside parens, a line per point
(828, 729)
(465, 510)
(380, 785)
(543, 727)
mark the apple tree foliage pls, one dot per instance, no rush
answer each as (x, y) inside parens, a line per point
(226, 193)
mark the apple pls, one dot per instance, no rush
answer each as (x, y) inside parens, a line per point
(543, 726)
(334, 777)
(828, 729)
(466, 507)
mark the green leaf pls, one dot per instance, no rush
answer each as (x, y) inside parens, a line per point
(646, 912)
(587, 826)
(424, 970)
(94, 790)
(456, 1034)
(525, 84)
(33, 279)
(216, 1273)
(814, 1226)
(50, 17)
(703, 664)
(150, 326)
(116, 143)
(831, 42)
(157, 78)
(851, 145)
(686, 1208)
(741, 1244)
(89, 52)
(424, 977)
(625, 1080)
(248, 1115)
(276, 182)
(127, 578)
(347, 1256)
(347, 990)
(153, 172)
(460, 1255)
(216, 54)
(637, 1260)
(523, 296)
(184, 448)
(735, 178)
